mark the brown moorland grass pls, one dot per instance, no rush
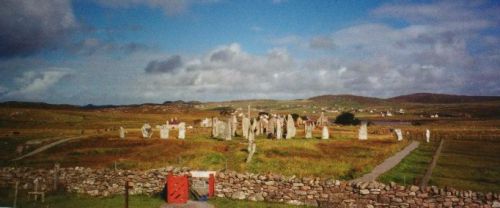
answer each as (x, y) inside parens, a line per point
(345, 158)
(342, 156)
(469, 164)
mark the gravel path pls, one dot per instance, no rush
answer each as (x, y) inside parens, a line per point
(388, 163)
(45, 147)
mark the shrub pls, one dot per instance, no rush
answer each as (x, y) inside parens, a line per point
(347, 118)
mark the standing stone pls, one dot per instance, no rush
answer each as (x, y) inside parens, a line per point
(182, 130)
(245, 124)
(229, 131)
(264, 123)
(223, 129)
(325, 134)
(215, 133)
(308, 130)
(251, 131)
(279, 127)
(122, 132)
(290, 127)
(234, 125)
(399, 134)
(271, 126)
(251, 142)
(363, 131)
(427, 135)
(147, 131)
(164, 131)
(258, 130)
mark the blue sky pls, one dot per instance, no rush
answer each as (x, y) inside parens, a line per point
(136, 51)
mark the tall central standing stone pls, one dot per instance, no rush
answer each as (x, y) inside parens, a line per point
(251, 141)
(245, 125)
(363, 131)
(290, 127)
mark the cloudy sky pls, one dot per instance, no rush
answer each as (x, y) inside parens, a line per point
(136, 51)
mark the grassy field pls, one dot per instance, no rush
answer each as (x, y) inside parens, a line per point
(340, 157)
(469, 163)
(469, 159)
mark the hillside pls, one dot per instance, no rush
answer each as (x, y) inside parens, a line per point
(347, 100)
(442, 98)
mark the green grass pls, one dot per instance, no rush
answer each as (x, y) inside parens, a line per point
(73, 201)
(223, 202)
(413, 167)
(62, 200)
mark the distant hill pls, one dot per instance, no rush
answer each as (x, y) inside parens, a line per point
(19, 104)
(441, 98)
(347, 100)
(341, 100)
(42, 105)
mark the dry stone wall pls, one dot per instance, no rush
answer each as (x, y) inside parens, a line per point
(265, 187)
(335, 193)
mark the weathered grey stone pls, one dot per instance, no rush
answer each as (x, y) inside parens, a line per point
(245, 123)
(279, 127)
(427, 135)
(308, 130)
(122, 132)
(164, 131)
(363, 131)
(399, 134)
(182, 130)
(147, 131)
(290, 127)
(324, 133)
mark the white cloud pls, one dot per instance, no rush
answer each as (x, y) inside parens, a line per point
(372, 59)
(34, 84)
